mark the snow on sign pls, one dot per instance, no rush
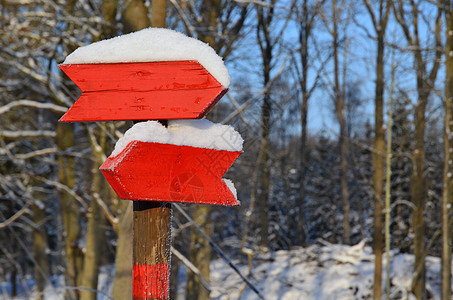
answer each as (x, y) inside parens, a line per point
(150, 74)
(183, 163)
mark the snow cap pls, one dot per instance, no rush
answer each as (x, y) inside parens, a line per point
(196, 133)
(152, 44)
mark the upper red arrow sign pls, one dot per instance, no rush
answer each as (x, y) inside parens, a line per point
(142, 91)
(166, 172)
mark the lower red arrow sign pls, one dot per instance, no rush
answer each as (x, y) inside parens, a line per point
(171, 173)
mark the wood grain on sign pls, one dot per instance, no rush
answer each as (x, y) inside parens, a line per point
(170, 173)
(142, 91)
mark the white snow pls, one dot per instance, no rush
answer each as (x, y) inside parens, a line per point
(152, 44)
(196, 133)
(231, 186)
(319, 272)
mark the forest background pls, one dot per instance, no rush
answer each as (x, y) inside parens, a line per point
(314, 83)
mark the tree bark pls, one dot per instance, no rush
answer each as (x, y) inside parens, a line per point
(342, 140)
(93, 236)
(109, 10)
(39, 249)
(380, 25)
(200, 254)
(418, 195)
(91, 261)
(135, 16)
(378, 167)
(447, 192)
(424, 81)
(304, 35)
(71, 216)
(265, 17)
(159, 13)
(122, 285)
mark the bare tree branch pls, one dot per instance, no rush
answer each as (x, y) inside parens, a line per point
(191, 267)
(17, 215)
(8, 134)
(33, 104)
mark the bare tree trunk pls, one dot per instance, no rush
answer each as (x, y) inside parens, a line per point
(304, 35)
(447, 192)
(71, 216)
(380, 24)
(122, 285)
(344, 180)
(39, 249)
(340, 111)
(109, 10)
(95, 220)
(303, 170)
(418, 195)
(135, 16)
(91, 261)
(200, 254)
(388, 178)
(265, 17)
(425, 81)
(159, 13)
(378, 167)
(264, 177)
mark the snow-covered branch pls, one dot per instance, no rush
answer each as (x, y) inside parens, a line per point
(191, 267)
(32, 104)
(9, 134)
(39, 152)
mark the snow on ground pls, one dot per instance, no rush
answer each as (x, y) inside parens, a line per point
(316, 272)
(152, 44)
(196, 133)
(56, 290)
(320, 272)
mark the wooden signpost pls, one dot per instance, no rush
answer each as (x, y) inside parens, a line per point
(154, 174)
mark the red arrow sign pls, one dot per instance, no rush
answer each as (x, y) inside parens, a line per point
(142, 91)
(170, 173)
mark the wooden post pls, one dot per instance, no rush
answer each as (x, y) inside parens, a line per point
(151, 250)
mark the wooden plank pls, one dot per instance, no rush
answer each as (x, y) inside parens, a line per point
(170, 173)
(142, 91)
(143, 76)
(139, 105)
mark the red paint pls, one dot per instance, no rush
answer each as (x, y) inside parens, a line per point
(151, 281)
(142, 91)
(170, 173)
